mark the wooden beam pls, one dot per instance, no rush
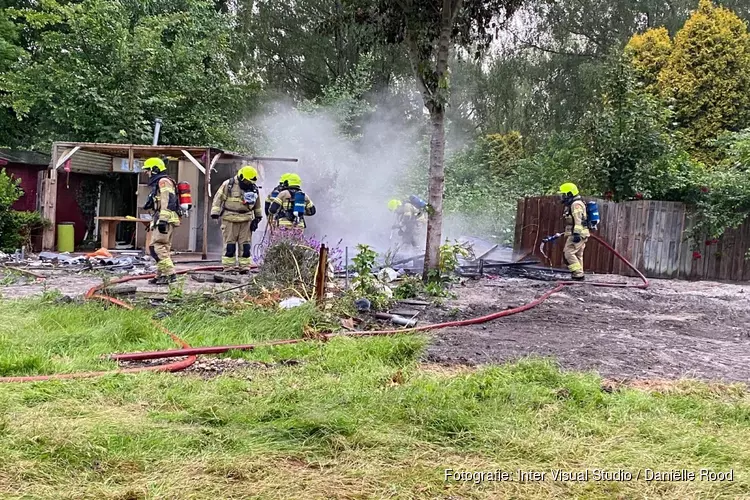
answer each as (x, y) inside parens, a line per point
(321, 275)
(206, 205)
(194, 161)
(272, 158)
(66, 157)
(49, 202)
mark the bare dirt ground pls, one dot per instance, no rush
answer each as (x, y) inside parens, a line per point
(673, 329)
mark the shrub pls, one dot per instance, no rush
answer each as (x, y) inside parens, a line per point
(15, 227)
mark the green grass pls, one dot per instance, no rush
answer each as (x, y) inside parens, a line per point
(357, 418)
(41, 338)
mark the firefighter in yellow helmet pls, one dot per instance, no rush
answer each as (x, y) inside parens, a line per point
(291, 205)
(409, 219)
(238, 204)
(283, 184)
(166, 213)
(576, 229)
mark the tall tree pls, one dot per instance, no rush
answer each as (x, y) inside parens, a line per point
(704, 74)
(429, 29)
(103, 71)
(10, 53)
(300, 48)
(649, 53)
(708, 75)
(564, 45)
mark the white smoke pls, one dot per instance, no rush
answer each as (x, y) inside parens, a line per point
(350, 181)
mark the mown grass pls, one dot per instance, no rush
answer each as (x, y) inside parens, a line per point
(41, 338)
(355, 419)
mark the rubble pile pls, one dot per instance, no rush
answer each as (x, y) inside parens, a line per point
(130, 263)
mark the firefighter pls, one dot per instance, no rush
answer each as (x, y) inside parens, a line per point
(409, 220)
(576, 229)
(283, 184)
(163, 203)
(291, 205)
(238, 204)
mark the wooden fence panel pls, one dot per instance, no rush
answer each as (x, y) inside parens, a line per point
(518, 234)
(676, 228)
(651, 246)
(650, 234)
(597, 259)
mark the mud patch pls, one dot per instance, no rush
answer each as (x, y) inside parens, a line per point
(675, 329)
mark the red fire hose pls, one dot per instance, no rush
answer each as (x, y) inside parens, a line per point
(192, 352)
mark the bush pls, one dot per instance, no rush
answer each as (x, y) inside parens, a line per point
(10, 191)
(365, 284)
(289, 263)
(723, 199)
(15, 227)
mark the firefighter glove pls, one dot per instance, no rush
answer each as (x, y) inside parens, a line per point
(254, 224)
(576, 238)
(162, 226)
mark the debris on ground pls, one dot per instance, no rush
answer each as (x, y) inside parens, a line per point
(291, 302)
(208, 367)
(133, 263)
(362, 305)
(387, 275)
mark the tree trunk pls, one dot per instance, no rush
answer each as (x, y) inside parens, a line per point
(436, 185)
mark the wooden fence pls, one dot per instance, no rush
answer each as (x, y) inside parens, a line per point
(650, 234)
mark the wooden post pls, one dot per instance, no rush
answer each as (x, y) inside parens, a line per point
(49, 202)
(321, 275)
(206, 205)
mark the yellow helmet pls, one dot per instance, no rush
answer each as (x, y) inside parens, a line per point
(154, 164)
(247, 173)
(284, 178)
(294, 180)
(393, 205)
(569, 187)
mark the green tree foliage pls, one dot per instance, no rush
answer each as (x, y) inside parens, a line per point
(103, 71)
(649, 53)
(562, 158)
(301, 48)
(707, 76)
(723, 201)
(626, 134)
(500, 152)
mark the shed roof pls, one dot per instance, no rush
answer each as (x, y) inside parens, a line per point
(23, 157)
(147, 150)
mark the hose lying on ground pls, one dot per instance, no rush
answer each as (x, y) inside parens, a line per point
(192, 352)
(91, 294)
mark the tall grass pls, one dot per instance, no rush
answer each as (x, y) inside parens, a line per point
(357, 418)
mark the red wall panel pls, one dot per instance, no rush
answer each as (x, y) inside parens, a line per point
(67, 205)
(28, 175)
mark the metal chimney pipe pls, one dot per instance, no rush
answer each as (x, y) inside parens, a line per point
(157, 129)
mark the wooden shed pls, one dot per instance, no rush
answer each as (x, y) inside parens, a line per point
(194, 164)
